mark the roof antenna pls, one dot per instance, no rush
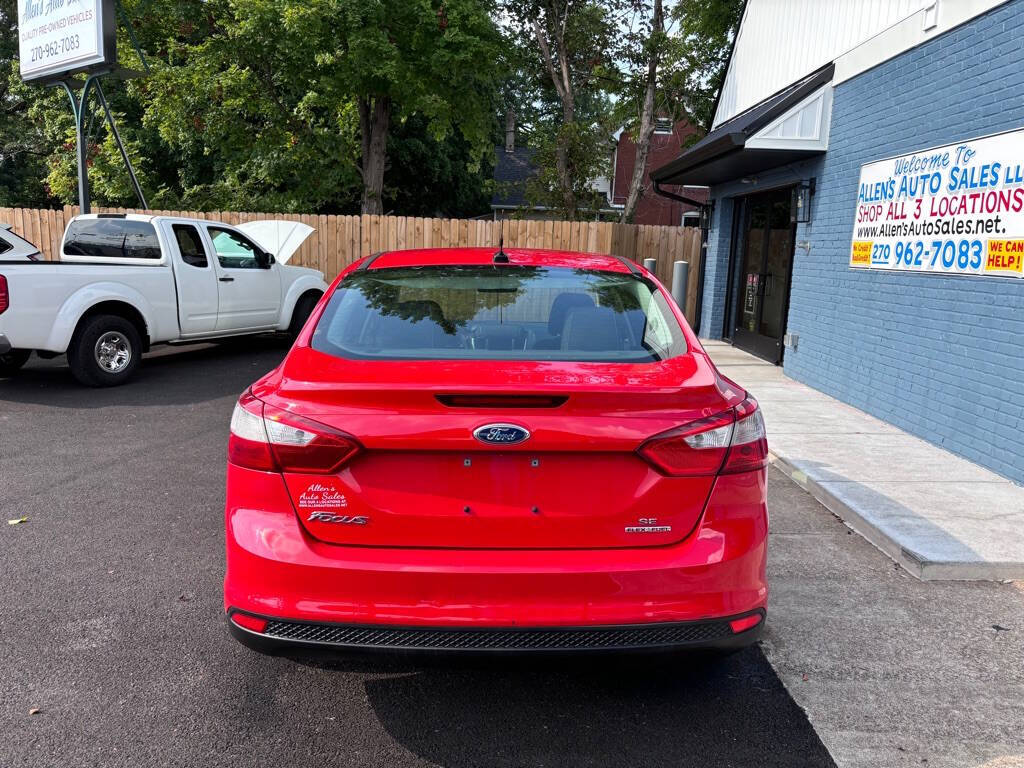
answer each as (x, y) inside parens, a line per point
(500, 257)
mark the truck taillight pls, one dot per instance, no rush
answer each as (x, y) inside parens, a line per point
(726, 443)
(5, 296)
(272, 440)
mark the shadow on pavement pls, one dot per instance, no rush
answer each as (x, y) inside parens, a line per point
(166, 376)
(654, 710)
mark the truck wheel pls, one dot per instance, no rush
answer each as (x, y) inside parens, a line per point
(104, 351)
(303, 309)
(11, 361)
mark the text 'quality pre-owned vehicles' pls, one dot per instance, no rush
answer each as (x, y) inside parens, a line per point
(127, 281)
(513, 451)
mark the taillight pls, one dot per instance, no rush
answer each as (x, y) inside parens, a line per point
(728, 442)
(749, 449)
(272, 440)
(5, 296)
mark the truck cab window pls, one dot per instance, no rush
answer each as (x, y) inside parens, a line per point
(233, 250)
(112, 238)
(190, 245)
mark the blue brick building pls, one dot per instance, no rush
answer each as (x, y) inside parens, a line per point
(820, 100)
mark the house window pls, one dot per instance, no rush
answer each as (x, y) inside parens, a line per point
(691, 219)
(663, 125)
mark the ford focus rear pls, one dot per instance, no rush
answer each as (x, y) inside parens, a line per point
(496, 452)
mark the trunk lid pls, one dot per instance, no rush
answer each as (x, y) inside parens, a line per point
(576, 482)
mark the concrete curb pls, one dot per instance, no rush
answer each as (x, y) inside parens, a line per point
(914, 563)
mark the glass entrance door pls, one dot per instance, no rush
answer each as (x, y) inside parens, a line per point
(765, 272)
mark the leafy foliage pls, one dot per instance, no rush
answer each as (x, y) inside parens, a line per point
(564, 56)
(256, 104)
(699, 55)
(253, 104)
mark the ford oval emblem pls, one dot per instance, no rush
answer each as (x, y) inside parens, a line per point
(501, 434)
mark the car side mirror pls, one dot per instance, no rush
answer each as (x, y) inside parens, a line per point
(264, 259)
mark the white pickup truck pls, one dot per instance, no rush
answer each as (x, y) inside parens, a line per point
(125, 282)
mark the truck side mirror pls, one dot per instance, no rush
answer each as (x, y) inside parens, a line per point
(264, 259)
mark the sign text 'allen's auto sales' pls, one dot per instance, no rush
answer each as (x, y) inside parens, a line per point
(957, 209)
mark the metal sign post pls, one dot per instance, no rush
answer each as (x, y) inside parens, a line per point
(57, 42)
(80, 109)
(78, 106)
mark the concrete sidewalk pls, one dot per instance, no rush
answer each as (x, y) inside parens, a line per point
(936, 514)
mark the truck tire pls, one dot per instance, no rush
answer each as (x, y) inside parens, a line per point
(303, 309)
(104, 351)
(11, 361)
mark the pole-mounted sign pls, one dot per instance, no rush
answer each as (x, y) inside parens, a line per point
(62, 37)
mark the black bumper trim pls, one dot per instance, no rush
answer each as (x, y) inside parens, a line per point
(712, 634)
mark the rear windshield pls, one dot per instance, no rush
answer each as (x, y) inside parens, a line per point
(112, 238)
(498, 313)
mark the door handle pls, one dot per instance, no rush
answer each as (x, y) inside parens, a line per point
(226, 279)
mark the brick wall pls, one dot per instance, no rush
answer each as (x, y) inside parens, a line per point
(653, 208)
(941, 357)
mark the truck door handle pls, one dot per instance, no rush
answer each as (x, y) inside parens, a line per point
(226, 279)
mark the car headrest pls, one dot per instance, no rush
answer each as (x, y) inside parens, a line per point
(560, 308)
(593, 329)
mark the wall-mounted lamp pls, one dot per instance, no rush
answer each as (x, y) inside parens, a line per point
(800, 209)
(706, 212)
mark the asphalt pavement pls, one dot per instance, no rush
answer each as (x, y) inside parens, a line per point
(111, 624)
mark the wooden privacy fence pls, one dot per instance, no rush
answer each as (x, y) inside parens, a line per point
(340, 240)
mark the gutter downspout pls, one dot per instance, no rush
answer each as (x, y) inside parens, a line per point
(703, 246)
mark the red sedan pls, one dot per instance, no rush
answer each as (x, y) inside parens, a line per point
(511, 451)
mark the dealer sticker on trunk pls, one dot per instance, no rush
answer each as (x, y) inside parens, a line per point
(323, 502)
(320, 496)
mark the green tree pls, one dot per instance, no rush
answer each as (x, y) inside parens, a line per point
(24, 145)
(255, 104)
(673, 58)
(703, 34)
(434, 177)
(570, 46)
(297, 98)
(645, 47)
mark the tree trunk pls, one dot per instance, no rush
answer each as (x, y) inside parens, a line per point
(562, 81)
(642, 138)
(565, 180)
(374, 122)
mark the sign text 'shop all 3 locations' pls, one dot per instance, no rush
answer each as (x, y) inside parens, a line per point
(957, 209)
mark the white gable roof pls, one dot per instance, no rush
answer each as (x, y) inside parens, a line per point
(781, 41)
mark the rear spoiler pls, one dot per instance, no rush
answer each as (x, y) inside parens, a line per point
(277, 236)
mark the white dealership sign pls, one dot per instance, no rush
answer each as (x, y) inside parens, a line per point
(59, 37)
(957, 209)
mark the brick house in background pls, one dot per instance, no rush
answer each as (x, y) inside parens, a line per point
(667, 144)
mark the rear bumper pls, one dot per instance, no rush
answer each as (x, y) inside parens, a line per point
(277, 571)
(280, 636)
